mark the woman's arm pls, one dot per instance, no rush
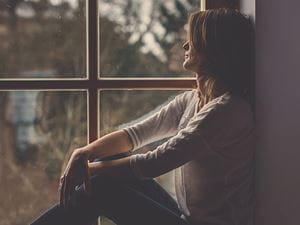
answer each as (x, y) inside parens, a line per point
(175, 152)
(212, 130)
(118, 169)
(185, 146)
(111, 144)
(162, 124)
(78, 171)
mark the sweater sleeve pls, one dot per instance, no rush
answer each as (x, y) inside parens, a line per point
(195, 139)
(161, 124)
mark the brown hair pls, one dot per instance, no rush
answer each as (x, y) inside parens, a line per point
(225, 38)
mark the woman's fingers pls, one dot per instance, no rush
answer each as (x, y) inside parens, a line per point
(69, 191)
(87, 187)
(64, 184)
(75, 173)
(61, 190)
(64, 191)
(70, 183)
(87, 182)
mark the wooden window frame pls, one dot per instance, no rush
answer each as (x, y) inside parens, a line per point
(92, 83)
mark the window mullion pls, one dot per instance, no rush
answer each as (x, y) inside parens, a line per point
(97, 84)
(92, 37)
(92, 62)
(146, 83)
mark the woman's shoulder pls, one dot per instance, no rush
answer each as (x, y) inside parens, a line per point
(227, 118)
(184, 99)
(231, 103)
(237, 106)
(187, 95)
(227, 108)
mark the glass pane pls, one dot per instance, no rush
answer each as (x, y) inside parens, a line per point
(143, 38)
(42, 39)
(39, 130)
(120, 108)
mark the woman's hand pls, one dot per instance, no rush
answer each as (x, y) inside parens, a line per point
(75, 174)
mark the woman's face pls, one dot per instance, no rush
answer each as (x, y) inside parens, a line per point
(192, 60)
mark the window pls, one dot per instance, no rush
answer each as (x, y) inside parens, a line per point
(70, 73)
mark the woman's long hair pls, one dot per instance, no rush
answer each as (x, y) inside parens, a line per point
(225, 37)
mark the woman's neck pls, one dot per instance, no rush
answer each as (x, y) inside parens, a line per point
(208, 89)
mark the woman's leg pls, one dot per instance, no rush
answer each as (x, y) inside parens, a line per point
(139, 202)
(143, 202)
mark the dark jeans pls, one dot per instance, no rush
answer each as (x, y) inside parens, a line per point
(138, 202)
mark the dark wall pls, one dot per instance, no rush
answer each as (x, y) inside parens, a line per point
(222, 3)
(278, 110)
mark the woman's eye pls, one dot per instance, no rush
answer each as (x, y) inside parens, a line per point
(186, 45)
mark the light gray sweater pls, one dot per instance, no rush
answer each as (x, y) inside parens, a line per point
(212, 151)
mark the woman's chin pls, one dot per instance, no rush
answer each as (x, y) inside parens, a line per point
(186, 65)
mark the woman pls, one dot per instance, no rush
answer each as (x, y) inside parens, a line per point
(211, 149)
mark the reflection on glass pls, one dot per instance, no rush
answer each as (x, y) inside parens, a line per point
(119, 109)
(39, 130)
(143, 38)
(42, 39)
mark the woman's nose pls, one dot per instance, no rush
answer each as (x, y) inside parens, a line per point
(186, 45)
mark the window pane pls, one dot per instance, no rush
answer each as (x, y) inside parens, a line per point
(39, 129)
(143, 38)
(120, 108)
(42, 39)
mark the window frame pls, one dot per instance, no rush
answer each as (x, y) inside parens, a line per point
(92, 83)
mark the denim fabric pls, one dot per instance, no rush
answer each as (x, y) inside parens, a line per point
(136, 202)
